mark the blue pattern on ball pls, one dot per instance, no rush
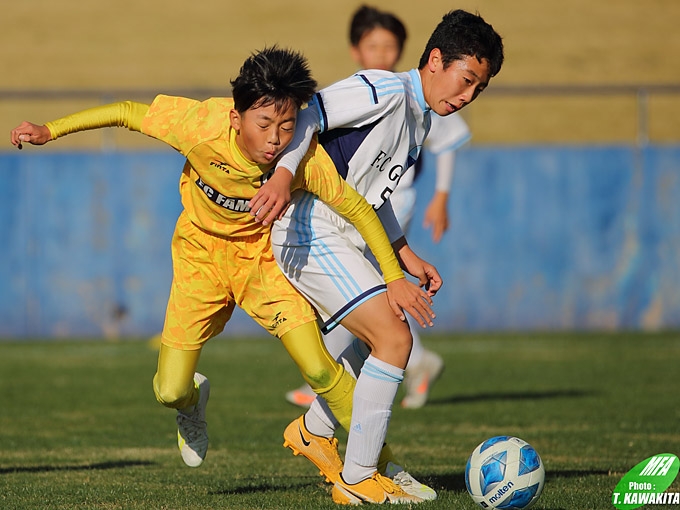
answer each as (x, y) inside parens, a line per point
(529, 460)
(519, 499)
(492, 472)
(490, 442)
(497, 483)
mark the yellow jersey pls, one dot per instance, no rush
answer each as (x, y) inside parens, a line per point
(217, 181)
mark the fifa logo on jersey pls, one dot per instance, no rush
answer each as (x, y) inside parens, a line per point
(222, 166)
(278, 320)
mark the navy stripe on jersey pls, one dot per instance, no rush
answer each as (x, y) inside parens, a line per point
(418, 168)
(370, 85)
(342, 143)
(322, 111)
(334, 321)
(410, 161)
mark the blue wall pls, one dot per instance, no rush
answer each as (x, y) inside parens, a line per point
(556, 237)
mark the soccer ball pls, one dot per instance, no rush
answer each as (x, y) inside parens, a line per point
(504, 472)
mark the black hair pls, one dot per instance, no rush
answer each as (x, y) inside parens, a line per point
(368, 18)
(462, 34)
(273, 76)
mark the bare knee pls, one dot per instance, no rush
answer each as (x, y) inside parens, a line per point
(393, 346)
(400, 340)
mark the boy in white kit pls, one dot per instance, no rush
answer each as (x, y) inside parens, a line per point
(373, 125)
(377, 40)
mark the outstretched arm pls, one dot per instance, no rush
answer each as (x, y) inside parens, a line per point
(125, 114)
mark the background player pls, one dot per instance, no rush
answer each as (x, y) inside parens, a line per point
(377, 41)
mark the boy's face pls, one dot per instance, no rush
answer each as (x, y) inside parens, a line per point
(448, 90)
(263, 132)
(377, 49)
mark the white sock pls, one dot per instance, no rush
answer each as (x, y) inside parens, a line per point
(337, 341)
(417, 349)
(319, 419)
(354, 356)
(374, 394)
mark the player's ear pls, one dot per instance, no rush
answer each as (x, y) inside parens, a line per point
(235, 119)
(435, 60)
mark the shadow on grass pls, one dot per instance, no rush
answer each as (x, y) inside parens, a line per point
(270, 486)
(82, 467)
(455, 482)
(526, 395)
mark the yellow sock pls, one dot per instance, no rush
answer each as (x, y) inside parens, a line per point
(326, 376)
(339, 397)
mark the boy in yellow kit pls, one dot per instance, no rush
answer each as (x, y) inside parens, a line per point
(221, 256)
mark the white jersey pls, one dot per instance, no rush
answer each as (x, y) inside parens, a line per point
(372, 125)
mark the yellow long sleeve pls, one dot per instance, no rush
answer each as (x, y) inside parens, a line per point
(356, 209)
(123, 114)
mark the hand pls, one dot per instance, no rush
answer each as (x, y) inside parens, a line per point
(406, 296)
(31, 133)
(272, 199)
(427, 274)
(436, 215)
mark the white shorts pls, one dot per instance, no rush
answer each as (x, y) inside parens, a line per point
(324, 257)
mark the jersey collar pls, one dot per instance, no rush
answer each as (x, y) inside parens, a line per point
(418, 89)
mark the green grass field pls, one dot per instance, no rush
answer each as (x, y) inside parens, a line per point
(80, 427)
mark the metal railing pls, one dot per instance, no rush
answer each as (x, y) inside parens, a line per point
(641, 91)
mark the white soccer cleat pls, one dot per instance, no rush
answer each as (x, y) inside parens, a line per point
(409, 484)
(192, 429)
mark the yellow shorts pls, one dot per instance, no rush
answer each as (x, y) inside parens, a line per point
(212, 274)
